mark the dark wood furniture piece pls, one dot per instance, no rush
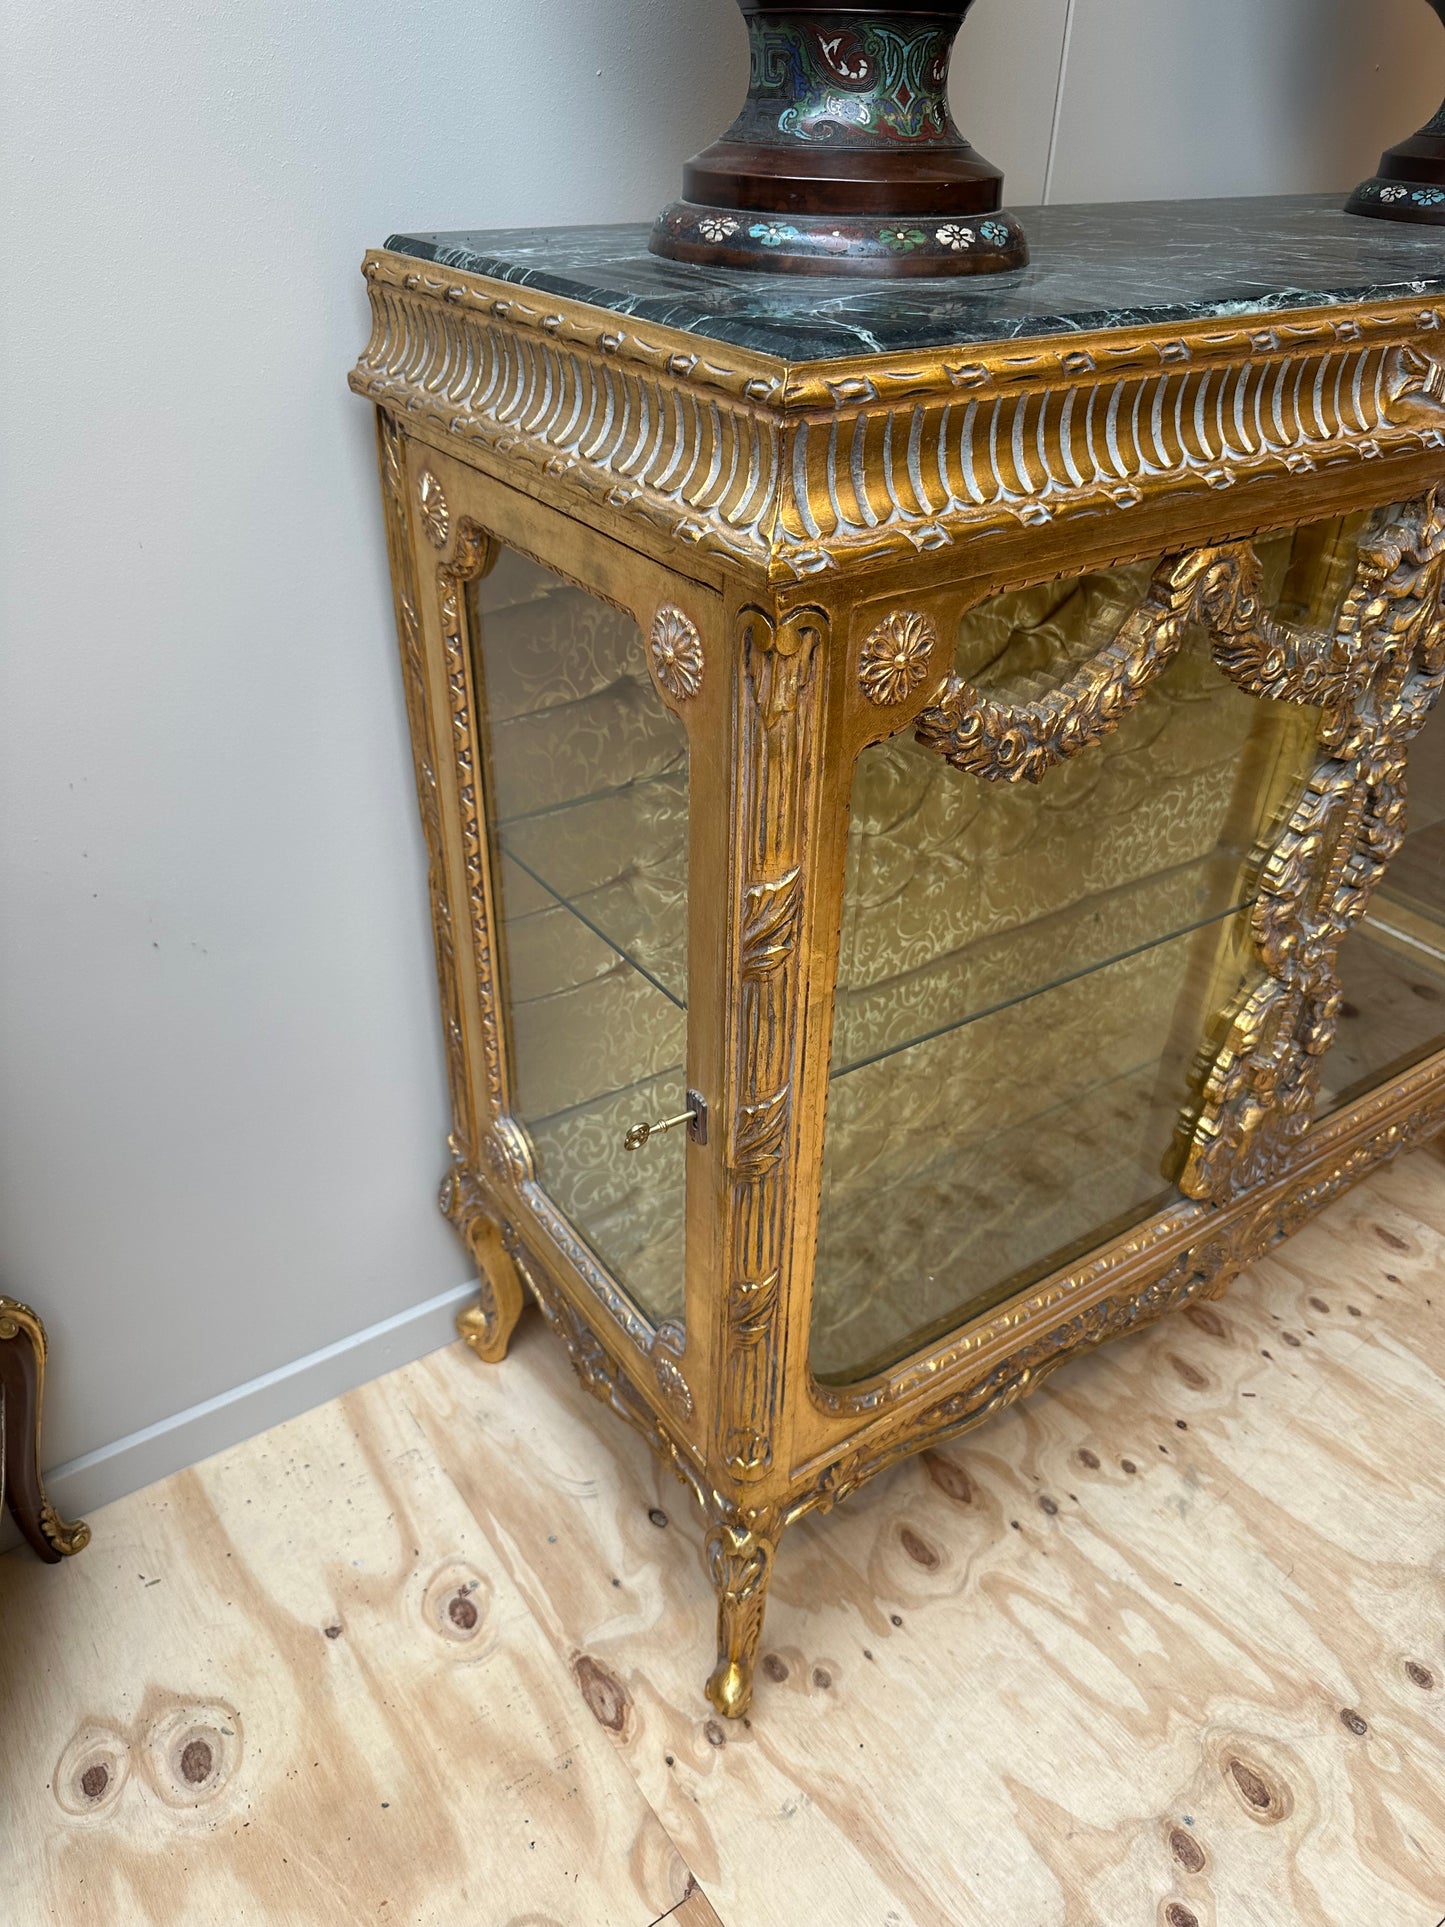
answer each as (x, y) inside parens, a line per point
(22, 1384)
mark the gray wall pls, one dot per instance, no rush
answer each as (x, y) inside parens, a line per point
(223, 1109)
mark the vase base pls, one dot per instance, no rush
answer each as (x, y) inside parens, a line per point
(1391, 200)
(850, 244)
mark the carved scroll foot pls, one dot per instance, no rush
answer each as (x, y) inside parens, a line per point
(22, 1382)
(740, 1553)
(487, 1326)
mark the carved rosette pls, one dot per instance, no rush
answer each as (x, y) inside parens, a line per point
(675, 647)
(436, 517)
(673, 1386)
(895, 656)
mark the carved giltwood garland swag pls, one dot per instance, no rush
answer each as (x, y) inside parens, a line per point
(1375, 678)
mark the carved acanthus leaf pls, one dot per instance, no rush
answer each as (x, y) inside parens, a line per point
(770, 922)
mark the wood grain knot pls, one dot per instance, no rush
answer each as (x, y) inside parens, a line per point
(657, 1516)
(1420, 1675)
(1187, 1850)
(1048, 1505)
(1178, 1915)
(193, 1752)
(607, 1698)
(91, 1771)
(1354, 1722)
(714, 1734)
(951, 1479)
(1088, 1458)
(1390, 1238)
(822, 1678)
(919, 1550)
(775, 1668)
(1262, 1800)
(1206, 1319)
(456, 1604)
(1191, 1375)
(1318, 1304)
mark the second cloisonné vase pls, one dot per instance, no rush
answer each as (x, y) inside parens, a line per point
(1410, 184)
(845, 158)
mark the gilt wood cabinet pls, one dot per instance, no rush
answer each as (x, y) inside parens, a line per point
(943, 753)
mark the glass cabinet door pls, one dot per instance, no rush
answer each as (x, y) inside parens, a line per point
(1028, 974)
(588, 811)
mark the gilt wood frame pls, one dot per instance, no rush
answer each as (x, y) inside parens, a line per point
(796, 540)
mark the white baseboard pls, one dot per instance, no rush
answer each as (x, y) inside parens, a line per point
(78, 1487)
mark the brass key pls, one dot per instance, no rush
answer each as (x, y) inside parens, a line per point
(694, 1117)
(640, 1133)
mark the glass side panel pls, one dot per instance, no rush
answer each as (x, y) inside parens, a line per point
(588, 806)
(1392, 965)
(1027, 972)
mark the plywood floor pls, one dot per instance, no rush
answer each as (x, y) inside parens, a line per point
(1165, 1645)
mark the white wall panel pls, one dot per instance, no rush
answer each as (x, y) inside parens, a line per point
(1005, 84)
(1172, 98)
(223, 1115)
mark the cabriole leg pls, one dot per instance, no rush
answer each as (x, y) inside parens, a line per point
(740, 1552)
(487, 1326)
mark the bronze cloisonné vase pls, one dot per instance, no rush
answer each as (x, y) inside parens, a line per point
(1410, 185)
(845, 158)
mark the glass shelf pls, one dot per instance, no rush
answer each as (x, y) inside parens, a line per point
(617, 859)
(974, 1162)
(920, 1005)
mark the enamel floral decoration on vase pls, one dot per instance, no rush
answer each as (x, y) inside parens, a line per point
(845, 158)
